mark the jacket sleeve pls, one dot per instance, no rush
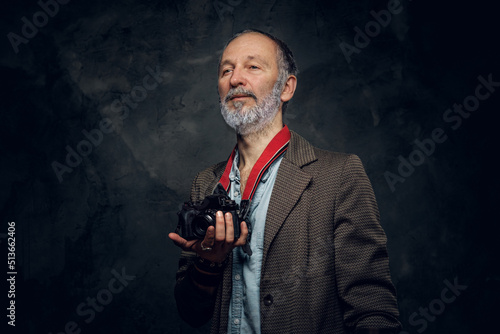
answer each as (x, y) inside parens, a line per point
(194, 305)
(361, 257)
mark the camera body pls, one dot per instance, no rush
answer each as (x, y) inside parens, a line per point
(196, 217)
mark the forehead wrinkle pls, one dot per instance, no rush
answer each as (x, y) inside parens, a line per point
(256, 57)
(267, 64)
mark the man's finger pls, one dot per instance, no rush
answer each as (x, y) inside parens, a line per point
(220, 228)
(181, 242)
(243, 235)
(208, 241)
(229, 228)
(177, 239)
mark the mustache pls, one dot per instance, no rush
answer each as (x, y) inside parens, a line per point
(239, 91)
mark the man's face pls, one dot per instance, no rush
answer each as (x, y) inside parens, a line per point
(248, 88)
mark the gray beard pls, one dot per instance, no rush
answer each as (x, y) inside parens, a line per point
(255, 119)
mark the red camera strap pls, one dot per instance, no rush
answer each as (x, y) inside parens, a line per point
(274, 149)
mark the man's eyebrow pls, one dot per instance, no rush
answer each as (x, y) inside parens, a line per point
(227, 61)
(258, 58)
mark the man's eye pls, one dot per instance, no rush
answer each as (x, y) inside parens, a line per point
(226, 71)
(253, 67)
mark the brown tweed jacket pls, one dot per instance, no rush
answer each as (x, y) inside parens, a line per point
(325, 267)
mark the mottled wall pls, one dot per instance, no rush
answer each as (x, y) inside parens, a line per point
(139, 77)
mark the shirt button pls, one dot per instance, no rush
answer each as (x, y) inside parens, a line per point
(236, 193)
(268, 300)
(236, 321)
(237, 277)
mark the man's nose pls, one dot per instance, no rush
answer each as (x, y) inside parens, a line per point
(238, 77)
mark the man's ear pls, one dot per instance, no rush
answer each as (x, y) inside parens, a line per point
(289, 88)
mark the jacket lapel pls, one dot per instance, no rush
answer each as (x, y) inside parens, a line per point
(290, 183)
(217, 175)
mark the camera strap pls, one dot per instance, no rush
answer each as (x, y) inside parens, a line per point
(276, 147)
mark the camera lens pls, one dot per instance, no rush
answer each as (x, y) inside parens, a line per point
(201, 224)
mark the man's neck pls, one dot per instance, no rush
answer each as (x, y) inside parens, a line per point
(251, 146)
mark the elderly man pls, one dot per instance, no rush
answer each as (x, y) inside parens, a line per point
(312, 258)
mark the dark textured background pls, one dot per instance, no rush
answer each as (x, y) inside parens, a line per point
(114, 210)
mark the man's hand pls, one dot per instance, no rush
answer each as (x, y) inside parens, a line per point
(220, 238)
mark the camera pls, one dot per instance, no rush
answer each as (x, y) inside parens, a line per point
(196, 217)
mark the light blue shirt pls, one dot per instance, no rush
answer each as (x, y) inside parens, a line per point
(244, 308)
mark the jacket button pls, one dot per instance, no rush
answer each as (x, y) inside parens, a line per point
(268, 300)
